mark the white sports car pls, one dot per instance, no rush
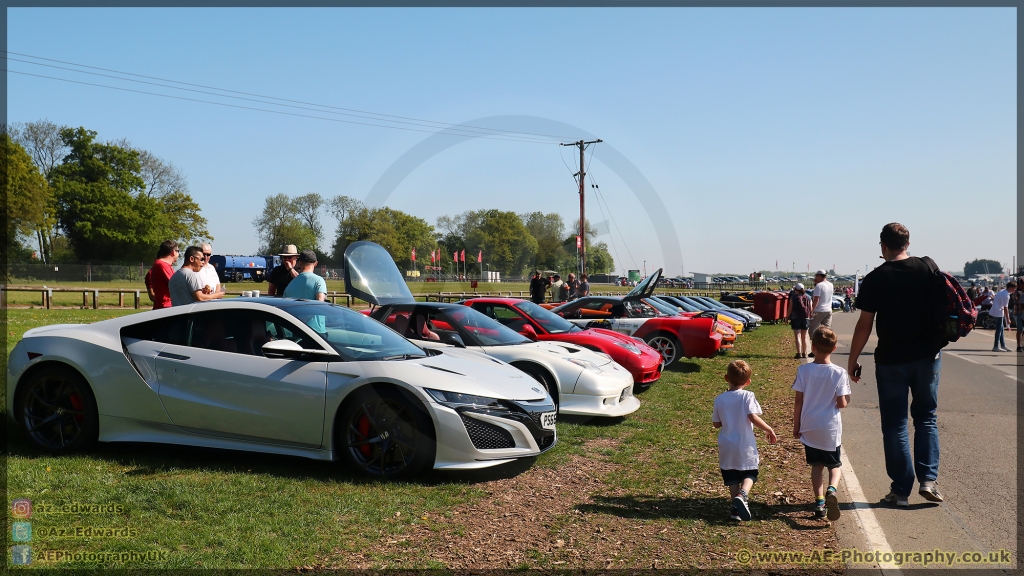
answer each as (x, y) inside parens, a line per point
(580, 381)
(275, 375)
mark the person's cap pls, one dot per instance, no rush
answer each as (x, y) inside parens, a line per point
(307, 256)
(290, 250)
(820, 273)
(559, 276)
(799, 286)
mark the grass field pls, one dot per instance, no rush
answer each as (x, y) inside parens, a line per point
(636, 492)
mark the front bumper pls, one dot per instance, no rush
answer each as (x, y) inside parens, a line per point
(606, 393)
(475, 437)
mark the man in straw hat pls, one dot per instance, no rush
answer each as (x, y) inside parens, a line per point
(282, 275)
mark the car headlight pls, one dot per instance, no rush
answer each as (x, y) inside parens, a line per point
(453, 399)
(629, 347)
(585, 364)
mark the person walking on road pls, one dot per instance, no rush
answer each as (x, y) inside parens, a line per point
(1017, 312)
(821, 304)
(1001, 315)
(822, 390)
(908, 360)
(538, 287)
(160, 274)
(799, 312)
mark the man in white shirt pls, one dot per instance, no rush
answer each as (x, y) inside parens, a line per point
(821, 304)
(999, 313)
(208, 274)
(185, 286)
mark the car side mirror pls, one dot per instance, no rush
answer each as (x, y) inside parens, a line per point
(453, 339)
(529, 332)
(282, 349)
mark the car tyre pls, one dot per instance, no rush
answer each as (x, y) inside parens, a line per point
(381, 432)
(58, 411)
(545, 379)
(668, 346)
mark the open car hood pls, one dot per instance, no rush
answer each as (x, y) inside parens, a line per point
(646, 286)
(371, 275)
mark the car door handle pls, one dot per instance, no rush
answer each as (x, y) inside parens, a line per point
(172, 356)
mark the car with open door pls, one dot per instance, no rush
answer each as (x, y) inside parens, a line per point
(280, 376)
(673, 336)
(537, 323)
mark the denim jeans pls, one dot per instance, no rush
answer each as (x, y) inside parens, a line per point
(921, 380)
(1000, 338)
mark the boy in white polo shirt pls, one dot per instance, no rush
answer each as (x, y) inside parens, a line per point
(736, 413)
(822, 389)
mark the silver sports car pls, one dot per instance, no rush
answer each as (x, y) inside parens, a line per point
(276, 375)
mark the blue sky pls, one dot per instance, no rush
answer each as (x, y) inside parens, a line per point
(787, 135)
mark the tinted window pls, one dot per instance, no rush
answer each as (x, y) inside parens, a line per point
(472, 327)
(551, 322)
(173, 330)
(243, 331)
(353, 335)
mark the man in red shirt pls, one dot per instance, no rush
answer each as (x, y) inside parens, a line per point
(160, 274)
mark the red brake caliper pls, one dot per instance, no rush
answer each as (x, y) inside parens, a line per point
(364, 431)
(77, 404)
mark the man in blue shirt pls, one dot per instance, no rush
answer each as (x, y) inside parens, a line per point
(308, 286)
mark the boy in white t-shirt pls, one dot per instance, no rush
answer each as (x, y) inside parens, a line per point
(736, 413)
(822, 389)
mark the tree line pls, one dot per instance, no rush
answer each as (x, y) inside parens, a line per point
(511, 243)
(71, 196)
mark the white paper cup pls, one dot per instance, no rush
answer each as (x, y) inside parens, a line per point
(246, 293)
(255, 293)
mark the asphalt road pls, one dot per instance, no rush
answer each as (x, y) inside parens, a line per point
(977, 419)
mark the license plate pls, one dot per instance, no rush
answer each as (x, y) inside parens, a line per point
(547, 420)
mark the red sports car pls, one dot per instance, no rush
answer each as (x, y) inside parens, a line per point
(536, 323)
(673, 336)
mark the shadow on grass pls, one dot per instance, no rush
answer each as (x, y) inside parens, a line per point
(682, 367)
(712, 510)
(150, 459)
(593, 421)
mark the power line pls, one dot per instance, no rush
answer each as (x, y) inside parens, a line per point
(601, 198)
(443, 132)
(347, 111)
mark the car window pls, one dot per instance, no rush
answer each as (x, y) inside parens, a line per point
(173, 330)
(505, 315)
(637, 309)
(355, 336)
(243, 331)
(548, 320)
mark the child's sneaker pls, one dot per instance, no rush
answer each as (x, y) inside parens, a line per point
(832, 504)
(819, 509)
(739, 506)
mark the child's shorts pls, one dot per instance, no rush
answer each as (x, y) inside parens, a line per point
(738, 476)
(825, 458)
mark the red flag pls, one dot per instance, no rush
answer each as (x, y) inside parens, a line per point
(463, 255)
(455, 256)
(578, 243)
(414, 254)
(480, 256)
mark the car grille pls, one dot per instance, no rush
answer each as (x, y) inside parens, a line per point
(486, 436)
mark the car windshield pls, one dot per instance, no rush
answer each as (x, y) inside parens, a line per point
(712, 303)
(551, 322)
(353, 335)
(662, 307)
(485, 331)
(684, 305)
(697, 303)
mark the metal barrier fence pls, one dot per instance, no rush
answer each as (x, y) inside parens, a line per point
(46, 296)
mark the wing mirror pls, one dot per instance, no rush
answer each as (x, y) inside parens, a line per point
(453, 339)
(288, 349)
(529, 332)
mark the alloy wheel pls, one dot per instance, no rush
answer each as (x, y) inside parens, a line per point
(665, 346)
(54, 412)
(381, 436)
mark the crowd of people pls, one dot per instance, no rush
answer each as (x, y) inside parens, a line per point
(197, 279)
(561, 291)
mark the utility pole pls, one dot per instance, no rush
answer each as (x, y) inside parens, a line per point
(582, 145)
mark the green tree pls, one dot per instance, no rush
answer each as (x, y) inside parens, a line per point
(982, 266)
(506, 243)
(278, 226)
(549, 231)
(396, 231)
(599, 259)
(102, 209)
(43, 143)
(27, 193)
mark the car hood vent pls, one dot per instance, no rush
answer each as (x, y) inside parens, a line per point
(442, 369)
